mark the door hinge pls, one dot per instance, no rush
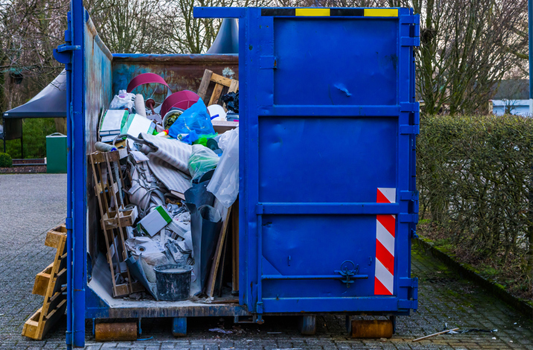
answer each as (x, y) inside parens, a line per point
(413, 21)
(409, 195)
(409, 129)
(408, 218)
(407, 304)
(413, 198)
(410, 107)
(63, 54)
(68, 223)
(412, 293)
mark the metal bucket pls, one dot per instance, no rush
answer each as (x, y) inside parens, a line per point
(173, 282)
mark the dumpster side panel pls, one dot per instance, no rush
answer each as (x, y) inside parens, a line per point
(98, 96)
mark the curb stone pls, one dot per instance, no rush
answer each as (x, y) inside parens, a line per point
(467, 271)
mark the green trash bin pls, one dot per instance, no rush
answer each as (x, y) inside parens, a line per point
(56, 153)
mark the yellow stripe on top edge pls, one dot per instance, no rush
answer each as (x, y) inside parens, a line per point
(312, 12)
(381, 12)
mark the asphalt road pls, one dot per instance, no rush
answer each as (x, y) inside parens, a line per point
(32, 204)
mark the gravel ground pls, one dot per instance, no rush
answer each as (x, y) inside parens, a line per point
(32, 204)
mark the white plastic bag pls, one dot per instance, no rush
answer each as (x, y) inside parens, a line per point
(123, 100)
(225, 182)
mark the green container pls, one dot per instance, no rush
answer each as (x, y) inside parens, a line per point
(56, 153)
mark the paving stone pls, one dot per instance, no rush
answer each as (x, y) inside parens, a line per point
(443, 297)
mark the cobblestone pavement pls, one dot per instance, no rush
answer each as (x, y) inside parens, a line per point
(31, 204)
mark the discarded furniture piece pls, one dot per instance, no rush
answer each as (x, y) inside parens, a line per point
(220, 82)
(327, 188)
(50, 283)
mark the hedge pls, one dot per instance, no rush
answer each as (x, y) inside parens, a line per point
(5, 160)
(475, 181)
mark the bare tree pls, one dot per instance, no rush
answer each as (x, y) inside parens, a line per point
(30, 31)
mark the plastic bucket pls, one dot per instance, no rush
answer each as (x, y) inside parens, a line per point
(173, 282)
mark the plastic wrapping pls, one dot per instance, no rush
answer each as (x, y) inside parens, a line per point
(225, 182)
(195, 121)
(201, 161)
(123, 100)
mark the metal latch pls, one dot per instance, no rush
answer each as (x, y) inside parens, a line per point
(349, 276)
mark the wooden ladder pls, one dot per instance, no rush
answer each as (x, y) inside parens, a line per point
(50, 283)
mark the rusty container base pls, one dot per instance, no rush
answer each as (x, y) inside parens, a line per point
(115, 331)
(372, 329)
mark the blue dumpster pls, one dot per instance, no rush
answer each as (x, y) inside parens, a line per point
(328, 200)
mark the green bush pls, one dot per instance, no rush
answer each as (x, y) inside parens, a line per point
(475, 181)
(34, 137)
(5, 160)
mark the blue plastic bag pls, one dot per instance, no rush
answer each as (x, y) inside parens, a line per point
(195, 121)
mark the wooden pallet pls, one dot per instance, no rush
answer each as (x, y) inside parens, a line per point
(108, 189)
(48, 283)
(220, 82)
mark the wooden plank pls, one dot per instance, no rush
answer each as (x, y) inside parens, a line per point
(222, 80)
(221, 126)
(216, 94)
(218, 253)
(235, 241)
(121, 290)
(53, 317)
(60, 280)
(234, 86)
(60, 228)
(31, 326)
(220, 278)
(42, 279)
(54, 238)
(54, 301)
(101, 157)
(204, 85)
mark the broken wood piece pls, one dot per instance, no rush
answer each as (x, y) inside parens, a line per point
(218, 253)
(435, 334)
(235, 248)
(220, 83)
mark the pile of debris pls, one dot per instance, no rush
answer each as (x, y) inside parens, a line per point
(165, 182)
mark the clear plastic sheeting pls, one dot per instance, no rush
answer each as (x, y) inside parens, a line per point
(225, 182)
(201, 161)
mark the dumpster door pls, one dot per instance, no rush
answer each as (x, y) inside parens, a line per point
(327, 196)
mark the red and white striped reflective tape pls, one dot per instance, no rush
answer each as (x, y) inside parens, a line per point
(385, 232)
